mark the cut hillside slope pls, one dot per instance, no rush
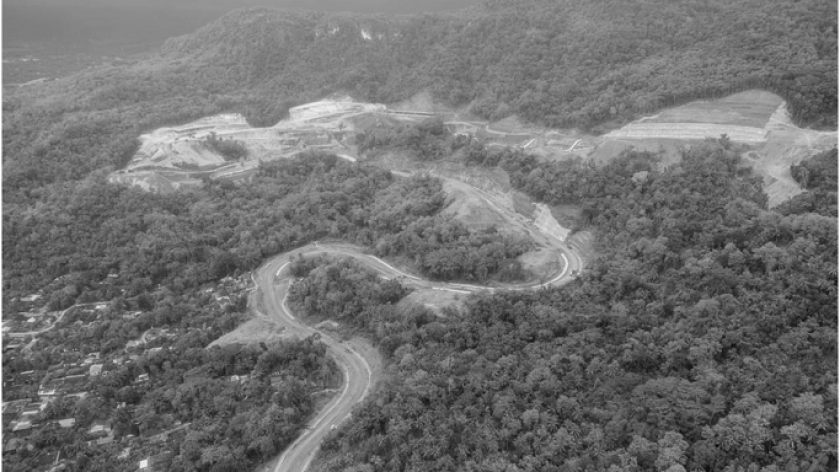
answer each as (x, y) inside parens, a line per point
(757, 118)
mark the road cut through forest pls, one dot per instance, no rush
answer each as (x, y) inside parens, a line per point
(274, 280)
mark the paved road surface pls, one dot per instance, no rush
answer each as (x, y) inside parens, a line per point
(274, 280)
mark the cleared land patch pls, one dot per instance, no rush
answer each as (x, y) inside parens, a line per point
(326, 126)
(742, 116)
(756, 118)
(689, 131)
(751, 109)
(252, 331)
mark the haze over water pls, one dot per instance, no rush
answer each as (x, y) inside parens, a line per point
(46, 39)
(154, 21)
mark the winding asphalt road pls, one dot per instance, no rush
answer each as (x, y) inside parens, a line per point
(273, 280)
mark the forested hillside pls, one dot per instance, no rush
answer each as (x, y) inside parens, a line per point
(704, 338)
(818, 175)
(84, 231)
(567, 63)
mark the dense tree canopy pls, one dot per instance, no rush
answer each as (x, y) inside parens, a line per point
(704, 337)
(85, 230)
(818, 176)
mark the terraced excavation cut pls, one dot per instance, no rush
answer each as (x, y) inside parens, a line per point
(742, 116)
(755, 118)
(174, 157)
(170, 158)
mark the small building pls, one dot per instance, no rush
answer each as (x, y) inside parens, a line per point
(100, 427)
(13, 445)
(95, 370)
(276, 380)
(102, 441)
(80, 395)
(158, 462)
(74, 383)
(34, 408)
(26, 376)
(14, 406)
(67, 422)
(124, 454)
(22, 425)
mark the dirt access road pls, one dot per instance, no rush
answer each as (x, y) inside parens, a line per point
(273, 279)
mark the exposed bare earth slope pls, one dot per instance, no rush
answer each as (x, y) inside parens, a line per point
(759, 119)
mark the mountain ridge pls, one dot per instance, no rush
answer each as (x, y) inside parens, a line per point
(508, 58)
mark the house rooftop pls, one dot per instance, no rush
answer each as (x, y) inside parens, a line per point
(160, 461)
(23, 425)
(14, 406)
(67, 422)
(104, 441)
(100, 426)
(13, 445)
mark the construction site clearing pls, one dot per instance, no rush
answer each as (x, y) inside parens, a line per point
(173, 157)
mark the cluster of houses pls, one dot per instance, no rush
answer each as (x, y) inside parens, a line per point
(22, 416)
(70, 379)
(224, 291)
(30, 393)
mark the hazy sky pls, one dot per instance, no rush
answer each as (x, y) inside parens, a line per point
(152, 21)
(360, 6)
